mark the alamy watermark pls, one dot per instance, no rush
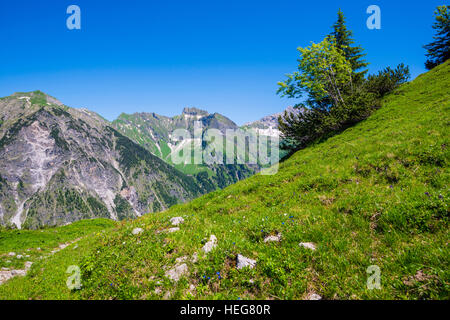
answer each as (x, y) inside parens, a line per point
(374, 20)
(230, 146)
(374, 278)
(74, 20)
(74, 280)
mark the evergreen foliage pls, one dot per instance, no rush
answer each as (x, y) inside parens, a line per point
(337, 97)
(344, 41)
(438, 51)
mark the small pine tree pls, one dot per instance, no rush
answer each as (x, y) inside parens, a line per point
(438, 51)
(344, 42)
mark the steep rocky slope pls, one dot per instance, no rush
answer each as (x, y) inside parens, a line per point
(59, 164)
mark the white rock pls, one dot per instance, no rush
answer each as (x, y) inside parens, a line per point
(191, 289)
(308, 245)
(313, 296)
(137, 231)
(180, 259)
(211, 244)
(275, 238)
(19, 272)
(194, 258)
(176, 221)
(5, 276)
(177, 272)
(243, 262)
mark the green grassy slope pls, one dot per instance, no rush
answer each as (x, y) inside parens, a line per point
(377, 194)
(33, 244)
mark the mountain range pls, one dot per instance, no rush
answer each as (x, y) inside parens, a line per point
(60, 164)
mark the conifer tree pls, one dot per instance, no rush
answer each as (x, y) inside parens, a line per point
(344, 42)
(438, 51)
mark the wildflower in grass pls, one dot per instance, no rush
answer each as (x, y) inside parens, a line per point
(427, 194)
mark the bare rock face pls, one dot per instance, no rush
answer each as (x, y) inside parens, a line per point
(243, 262)
(131, 196)
(59, 165)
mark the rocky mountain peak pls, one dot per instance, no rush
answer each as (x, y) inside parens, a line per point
(194, 112)
(36, 97)
(270, 121)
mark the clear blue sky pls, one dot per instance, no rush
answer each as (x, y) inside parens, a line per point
(160, 56)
